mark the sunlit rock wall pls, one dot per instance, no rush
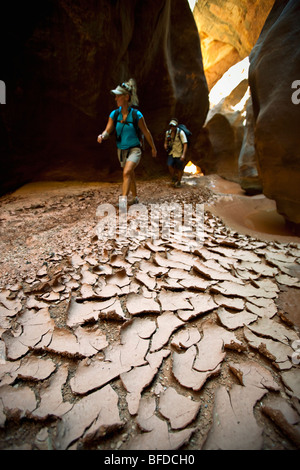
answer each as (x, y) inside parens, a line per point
(60, 58)
(274, 67)
(228, 31)
(225, 123)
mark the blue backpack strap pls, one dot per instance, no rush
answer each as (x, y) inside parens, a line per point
(188, 133)
(138, 131)
(115, 116)
(134, 117)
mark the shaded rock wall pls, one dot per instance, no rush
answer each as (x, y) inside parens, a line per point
(59, 62)
(248, 172)
(274, 66)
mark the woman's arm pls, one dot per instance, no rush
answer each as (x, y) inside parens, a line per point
(108, 130)
(148, 136)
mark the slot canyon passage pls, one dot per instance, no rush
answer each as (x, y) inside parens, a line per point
(169, 335)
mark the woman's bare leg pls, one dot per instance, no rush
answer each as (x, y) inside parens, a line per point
(133, 185)
(129, 182)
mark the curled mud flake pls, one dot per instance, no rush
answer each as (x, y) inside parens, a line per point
(185, 374)
(232, 321)
(201, 303)
(51, 398)
(277, 352)
(213, 273)
(284, 416)
(186, 338)
(177, 408)
(274, 330)
(82, 312)
(234, 425)
(174, 301)
(157, 436)
(139, 378)
(167, 324)
(17, 402)
(291, 380)
(245, 291)
(89, 418)
(137, 304)
(145, 279)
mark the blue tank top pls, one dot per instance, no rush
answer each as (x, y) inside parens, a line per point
(126, 134)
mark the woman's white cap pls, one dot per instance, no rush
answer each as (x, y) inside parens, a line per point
(122, 89)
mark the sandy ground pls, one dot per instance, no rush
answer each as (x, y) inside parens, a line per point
(46, 218)
(251, 215)
(49, 222)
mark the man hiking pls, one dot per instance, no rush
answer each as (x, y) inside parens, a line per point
(176, 145)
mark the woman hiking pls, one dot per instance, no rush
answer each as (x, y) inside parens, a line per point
(128, 122)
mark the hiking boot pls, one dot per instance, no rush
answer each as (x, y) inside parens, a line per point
(177, 184)
(134, 201)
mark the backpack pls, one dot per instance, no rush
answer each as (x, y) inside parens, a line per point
(135, 121)
(188, 133)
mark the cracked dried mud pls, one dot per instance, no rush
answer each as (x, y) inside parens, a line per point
(146, 343)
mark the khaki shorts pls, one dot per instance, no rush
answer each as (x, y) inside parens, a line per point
(129, 155)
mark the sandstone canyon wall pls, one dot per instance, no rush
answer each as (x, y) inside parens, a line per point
(225, 123)
(60, 58)
(266, 156)
(274, 67)
(228, 31)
